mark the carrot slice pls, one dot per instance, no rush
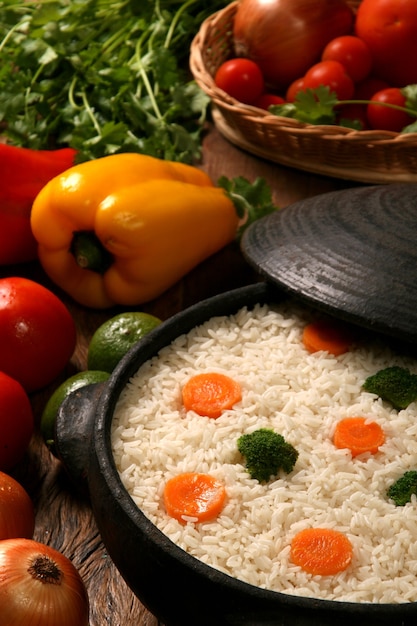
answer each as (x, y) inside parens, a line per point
(358, 435)
(328, 336)
(191, 495)
(210, 394)
(321, 551)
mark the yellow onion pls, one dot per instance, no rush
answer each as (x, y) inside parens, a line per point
(286, 37)
(39, 586)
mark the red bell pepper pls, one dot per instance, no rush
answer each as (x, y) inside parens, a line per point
(23, 173)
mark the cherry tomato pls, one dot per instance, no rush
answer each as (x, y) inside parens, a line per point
(268, 99)
(294, 88)
(386, 118)
(16, 422)
(365, 89)
(352, 53)
(37, 333)
(330, 74)
(240, 78)
(389, 28)
(17, 515)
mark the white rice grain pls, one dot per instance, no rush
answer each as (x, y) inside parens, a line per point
(301, 396)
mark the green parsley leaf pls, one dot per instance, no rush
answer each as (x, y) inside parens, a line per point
(102, 76)
(312, 106)
(252, 200)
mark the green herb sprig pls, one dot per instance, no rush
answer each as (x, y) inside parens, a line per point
(320, 106)
(103, 76)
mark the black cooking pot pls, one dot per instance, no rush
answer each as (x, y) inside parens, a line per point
(176, 587)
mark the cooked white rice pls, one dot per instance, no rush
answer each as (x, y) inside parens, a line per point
(301, 396)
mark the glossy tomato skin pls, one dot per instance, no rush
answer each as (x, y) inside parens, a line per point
(37, 333)
(385, 118)
(240, 78)
(17, 516)
(293, 89)
(16, 422)
(267, 100)
(330, 74)
(353, 53)
(389, 28)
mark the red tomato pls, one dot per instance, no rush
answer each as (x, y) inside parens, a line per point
(386, 118)
(16, 422)
(294, 88)
(389, 28)
(267, 100)
(17, 516)
(352, 53)
(37, 333)
(240, 78)
(330, 74)
(365, 89)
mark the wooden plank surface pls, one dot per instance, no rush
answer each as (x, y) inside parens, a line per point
(63, 517)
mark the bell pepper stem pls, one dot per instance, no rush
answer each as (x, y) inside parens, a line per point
(89, 252)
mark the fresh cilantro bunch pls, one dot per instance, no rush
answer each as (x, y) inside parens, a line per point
(319, 106)
(102, 76)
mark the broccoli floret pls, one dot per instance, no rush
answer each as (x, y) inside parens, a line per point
(266, 452)
(402, 490)
(395, 384)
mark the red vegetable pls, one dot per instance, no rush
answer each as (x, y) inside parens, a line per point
(240, 78)
(267, 100)
(389, 28)
(286, 37)
(331, 74)
(17, 515)
(387, 118)
(23, 173)
(16, 422)
(37, 333)
(353, 53)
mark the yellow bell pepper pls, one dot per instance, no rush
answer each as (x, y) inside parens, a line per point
(124, 228)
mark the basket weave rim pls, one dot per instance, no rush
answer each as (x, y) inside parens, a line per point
(205, 80)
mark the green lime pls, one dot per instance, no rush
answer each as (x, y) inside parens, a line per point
(81, 379)
(114, 338)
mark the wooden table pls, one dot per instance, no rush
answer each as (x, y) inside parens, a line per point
(63, 517)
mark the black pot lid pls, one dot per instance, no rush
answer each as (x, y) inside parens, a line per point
(351, 253)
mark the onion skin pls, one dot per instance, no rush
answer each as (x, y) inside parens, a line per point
(286, 37)
(27, 600)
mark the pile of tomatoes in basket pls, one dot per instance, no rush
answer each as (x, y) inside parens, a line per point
(365, 57)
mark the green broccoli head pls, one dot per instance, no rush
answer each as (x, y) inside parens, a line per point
(266, 452)
(394, 384)
(402, 490)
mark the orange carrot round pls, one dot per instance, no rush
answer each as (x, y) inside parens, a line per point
(210, 394)
(191, 495)
(358, 435)
(321, 551)
(328, 336)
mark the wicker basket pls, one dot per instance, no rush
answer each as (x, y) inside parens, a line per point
(364, 156)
